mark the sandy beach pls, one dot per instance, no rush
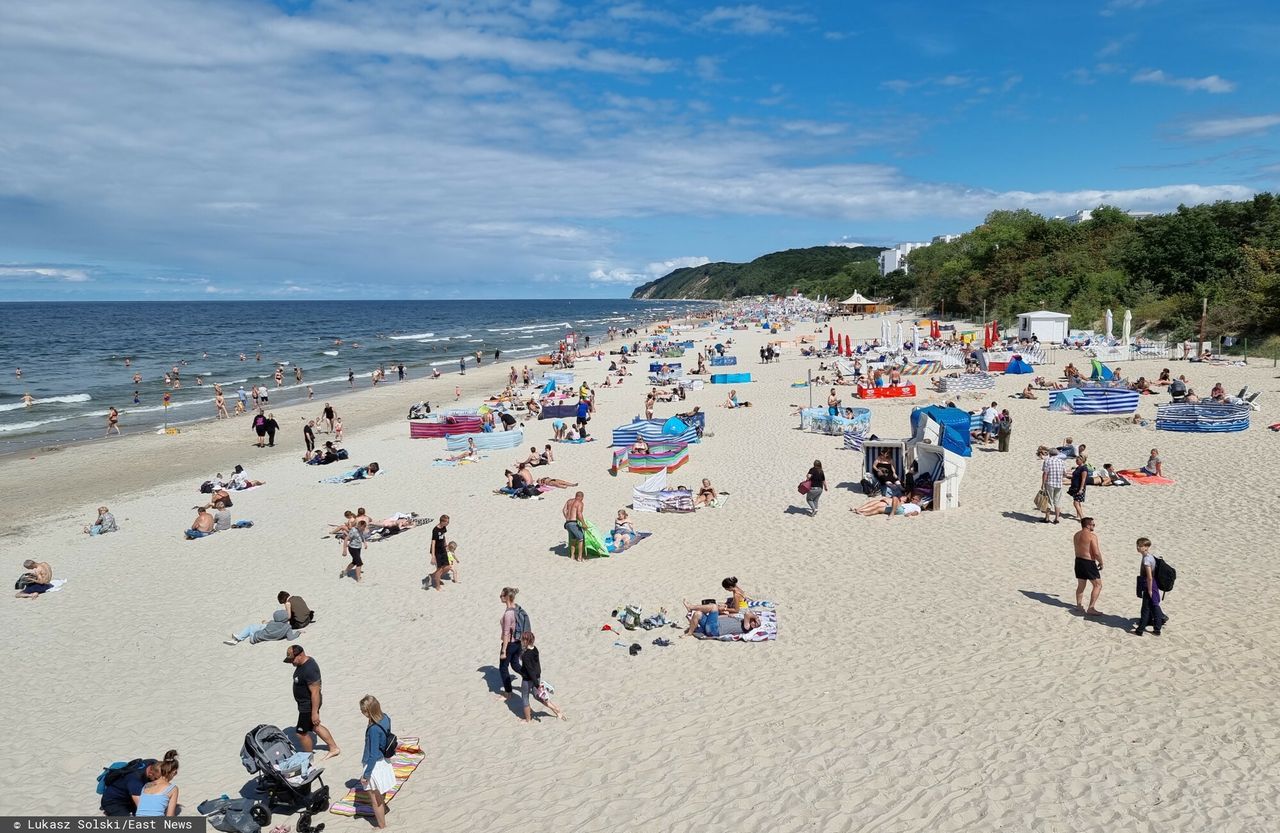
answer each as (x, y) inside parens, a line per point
(929, 673)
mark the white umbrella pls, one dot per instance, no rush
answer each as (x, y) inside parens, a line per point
(1128, 328)
(884, 333)
(915, 338)
(1109, 322)
(897, 342)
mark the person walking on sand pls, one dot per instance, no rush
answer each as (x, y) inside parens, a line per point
(113, 421)
(219, 406)
(351, 378)
(573, 524)
(1088, 565)
(1004, 430)
(531, 682)
(378, 777)
(356, 537)
(307, 694)
(440, 551)
(271, 426)
(514, 623)
(457, 392)
(1052, 470)
(462, 366)
(817, 480)
(1079, 484)
(327, 415)
(1152, 613)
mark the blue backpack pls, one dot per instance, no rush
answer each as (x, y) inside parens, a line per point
(114, 772)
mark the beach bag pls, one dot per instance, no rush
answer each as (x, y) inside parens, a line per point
(1042, 501)
(341, 454)
(805, 486)
(23, 581)
(522, 623)
(206, 488)
(1165, 575)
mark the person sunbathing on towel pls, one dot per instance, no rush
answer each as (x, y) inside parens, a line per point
(1154, 466)
(201, 526)
(240, 480)
(906, 505)
(555, 482)
(624, 533)
(36, 581)
(534, 458)
(1070, 372)
(706, 495)
(361, 473)
(712, 620)
(1166, 377)
(472, 453)
(1028, 393)
(519, 478)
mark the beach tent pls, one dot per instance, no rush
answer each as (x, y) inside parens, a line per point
(857, 303)
(730, 378)
(1017, 366)
(1101, 373)
(674, 427)
(952, 431)
(549, 388)
(1062, 399)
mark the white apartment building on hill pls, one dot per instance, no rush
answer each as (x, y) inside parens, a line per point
(896, 258)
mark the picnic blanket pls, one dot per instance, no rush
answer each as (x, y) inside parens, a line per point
(404, 762)
(1136, 476)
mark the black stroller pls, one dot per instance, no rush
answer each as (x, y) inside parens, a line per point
(289, 786)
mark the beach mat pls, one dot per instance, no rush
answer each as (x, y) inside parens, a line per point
(404, 762)
(599, 545)
(1136, 476)
(767, 632)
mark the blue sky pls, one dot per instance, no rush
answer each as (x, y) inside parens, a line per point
(189, 149)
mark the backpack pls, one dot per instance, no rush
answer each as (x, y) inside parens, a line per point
(522, 623)
(206, 488)
(1165, 575)
(114, 772)
(390, 745)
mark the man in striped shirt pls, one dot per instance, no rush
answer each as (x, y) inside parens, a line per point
(1051, 475)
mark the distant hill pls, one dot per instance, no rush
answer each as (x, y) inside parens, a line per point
(820, 270)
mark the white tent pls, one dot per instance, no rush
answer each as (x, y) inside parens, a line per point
(856, 298)
(1046, 326)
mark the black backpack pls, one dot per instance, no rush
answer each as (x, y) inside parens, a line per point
(389, 748)
(1165, 575)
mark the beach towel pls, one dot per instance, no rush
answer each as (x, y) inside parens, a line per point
(404, 762)
(599, 545)
(768, 630)
(1136, 476)
(57, 585)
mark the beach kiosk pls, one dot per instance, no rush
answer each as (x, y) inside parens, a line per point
(1047, 326)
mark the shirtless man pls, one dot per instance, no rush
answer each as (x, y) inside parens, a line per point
(573, 524)
(41, 579)
(202, 526)
(1088, 565)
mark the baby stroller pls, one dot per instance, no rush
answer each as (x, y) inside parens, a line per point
(285, 775)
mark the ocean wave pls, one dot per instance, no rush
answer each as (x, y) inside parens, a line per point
(415, 337)
(532, 349)
(329, 352)
(432, 340)
(464, 335)
(26, 426)
(475, 341)
(45, 400)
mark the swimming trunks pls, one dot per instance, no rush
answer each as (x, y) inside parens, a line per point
(1087, 569)
(574, 530)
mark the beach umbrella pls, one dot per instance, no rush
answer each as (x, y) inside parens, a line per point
(897, 341)
(935, 329)
(986, 336)
(915, 339)
(1109, 322)
(831, 336)
(1128, 327)
(848, 346)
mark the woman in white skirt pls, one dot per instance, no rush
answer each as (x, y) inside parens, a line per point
(378, 777)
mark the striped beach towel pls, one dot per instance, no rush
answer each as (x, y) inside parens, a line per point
(404, 762)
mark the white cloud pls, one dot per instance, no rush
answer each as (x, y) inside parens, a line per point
(749, 20)
(662, 267)
(1208, 84)
(1226, 128)
(847, 243)
(1115, 6)
(20, 271)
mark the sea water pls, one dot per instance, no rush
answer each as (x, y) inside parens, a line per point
(72, 354)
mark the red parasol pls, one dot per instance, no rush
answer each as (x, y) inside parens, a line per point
(935, 330)
(831, 336)
(848, 346)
